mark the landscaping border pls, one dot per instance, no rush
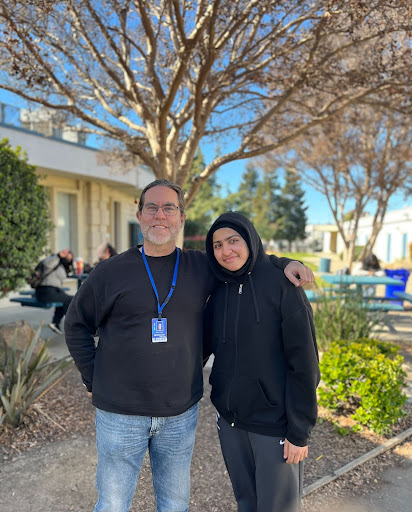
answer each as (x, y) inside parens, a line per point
(387, 445)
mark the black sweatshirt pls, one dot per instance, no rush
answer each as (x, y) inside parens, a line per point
(127, 373)
(260, 328)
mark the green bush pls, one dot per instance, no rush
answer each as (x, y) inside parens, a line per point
(24, 377)
(24, 218)
(343, 316)
(364, 379)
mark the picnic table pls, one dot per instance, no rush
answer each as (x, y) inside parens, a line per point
(79, 277)
(28, 297)
(359, 281)
(341, 285)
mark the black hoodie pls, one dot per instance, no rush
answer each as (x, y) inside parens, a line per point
(260, 328)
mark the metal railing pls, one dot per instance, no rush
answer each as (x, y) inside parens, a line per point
(41, 121)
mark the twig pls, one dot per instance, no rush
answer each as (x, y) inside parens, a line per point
(38, 409)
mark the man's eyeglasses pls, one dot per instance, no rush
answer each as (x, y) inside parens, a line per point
(168, 209)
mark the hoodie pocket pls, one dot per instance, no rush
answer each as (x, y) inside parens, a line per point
(248, 401)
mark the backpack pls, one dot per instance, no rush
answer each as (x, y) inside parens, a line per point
(38, 275)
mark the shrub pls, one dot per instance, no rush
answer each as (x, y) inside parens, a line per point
(24, 218)
(343, 317)
(24, 377)
(364, 379)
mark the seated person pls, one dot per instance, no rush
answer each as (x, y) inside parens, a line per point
(103, 252)
(369, 266)
(57, 268)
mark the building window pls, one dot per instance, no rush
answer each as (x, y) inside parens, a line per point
(135, 234)
(404, 244)
(388, 247)
(66, 221)
(116, 224)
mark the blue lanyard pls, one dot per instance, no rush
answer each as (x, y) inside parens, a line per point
(172, 289)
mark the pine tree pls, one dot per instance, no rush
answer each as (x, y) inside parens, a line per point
(244, 198)
(292, 218)
(207, 204)
(266, 206)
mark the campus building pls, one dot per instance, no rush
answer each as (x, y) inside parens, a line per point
(90, 202)
(394, 241)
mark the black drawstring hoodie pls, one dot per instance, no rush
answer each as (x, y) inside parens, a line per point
(260, 328)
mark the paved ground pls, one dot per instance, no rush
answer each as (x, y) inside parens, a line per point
(59, 477)
(393, 494)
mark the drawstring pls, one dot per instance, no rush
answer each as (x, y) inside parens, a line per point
(225, 311)
(254, 298)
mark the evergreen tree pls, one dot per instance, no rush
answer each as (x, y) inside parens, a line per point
(207, 204)
(292, 212)
(243, 199)
(24, 218)
(266, 206)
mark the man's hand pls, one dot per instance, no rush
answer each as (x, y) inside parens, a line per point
(298, 273)
(294, 454)
(90, 394)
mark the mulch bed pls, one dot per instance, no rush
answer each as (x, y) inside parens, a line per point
(66, 412)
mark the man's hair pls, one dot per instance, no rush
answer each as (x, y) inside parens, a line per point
(164, 183)
(111, 249)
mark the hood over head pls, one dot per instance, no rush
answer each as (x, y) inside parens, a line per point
(67, 262)
(247, 231)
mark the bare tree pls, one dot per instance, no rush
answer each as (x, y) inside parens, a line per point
(158, 76)
(362, 156)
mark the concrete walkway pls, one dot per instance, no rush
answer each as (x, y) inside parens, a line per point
(393, 494)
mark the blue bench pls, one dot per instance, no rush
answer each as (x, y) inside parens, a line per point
(32, 292)
(34, 303)
(312, 296)
(404, 296)
(374, 304)
(382, 306)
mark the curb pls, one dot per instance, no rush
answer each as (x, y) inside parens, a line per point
(357, 462)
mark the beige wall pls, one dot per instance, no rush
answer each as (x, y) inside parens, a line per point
(100, 212)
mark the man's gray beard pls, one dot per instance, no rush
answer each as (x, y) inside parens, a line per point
(173, 234)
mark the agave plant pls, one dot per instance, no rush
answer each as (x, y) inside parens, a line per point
(25, 377)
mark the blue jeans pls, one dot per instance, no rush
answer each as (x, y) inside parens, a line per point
(122, 441)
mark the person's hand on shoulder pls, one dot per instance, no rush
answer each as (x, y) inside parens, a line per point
(298, 273)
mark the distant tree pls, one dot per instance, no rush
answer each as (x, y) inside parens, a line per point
(208, 203)
(361, 157)
(243, 199)
(24, 218)
(291, 210)
(156, 77)
(266, 202)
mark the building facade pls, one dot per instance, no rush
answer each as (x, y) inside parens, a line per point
(394, 240)
(90, 202)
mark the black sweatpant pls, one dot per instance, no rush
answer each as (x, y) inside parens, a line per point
(261, 479)
(53, 294)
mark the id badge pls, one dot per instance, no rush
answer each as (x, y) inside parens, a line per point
(159, 330)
